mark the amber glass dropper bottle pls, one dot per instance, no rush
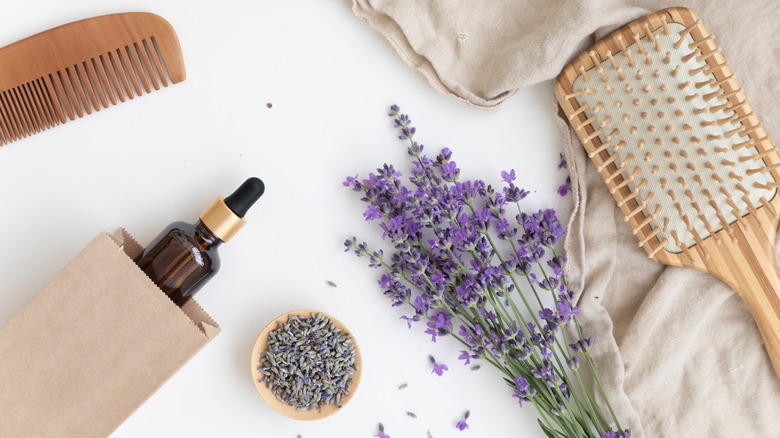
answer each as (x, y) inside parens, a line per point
(183, 257)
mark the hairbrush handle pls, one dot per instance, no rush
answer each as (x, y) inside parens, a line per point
(747, 264)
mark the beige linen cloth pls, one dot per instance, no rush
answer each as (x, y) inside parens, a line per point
(679, 353)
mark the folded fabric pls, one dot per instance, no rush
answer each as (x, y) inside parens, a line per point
(678, 350)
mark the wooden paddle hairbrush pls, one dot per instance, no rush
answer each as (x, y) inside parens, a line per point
(672, 134)
(76, 68)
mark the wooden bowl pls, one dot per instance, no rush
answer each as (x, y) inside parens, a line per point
(261, 345)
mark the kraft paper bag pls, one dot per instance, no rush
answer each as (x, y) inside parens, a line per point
(93, 345)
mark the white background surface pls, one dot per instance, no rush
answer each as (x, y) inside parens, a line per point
(166, 156)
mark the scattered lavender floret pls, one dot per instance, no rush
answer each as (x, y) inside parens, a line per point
(438, 368)
(565, 188)
(382, 433)
(462, 425)
(465, 356)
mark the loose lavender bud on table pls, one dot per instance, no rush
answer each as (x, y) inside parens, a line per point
(438, 368)
(309, 362)
(462, 425)
(382, 433)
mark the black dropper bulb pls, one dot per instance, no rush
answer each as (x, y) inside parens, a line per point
(244, 196)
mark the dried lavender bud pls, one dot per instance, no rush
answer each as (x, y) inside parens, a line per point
(382, 433)
(411, 414)
(309, 362)
(331, 284)
(438, 368)
(475, 367)
(402, 386)
(462, 425)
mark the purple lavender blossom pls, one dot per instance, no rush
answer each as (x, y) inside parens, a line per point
(461, 424)
(352, 182)
(438, 368)
(382, 433)
(439, 325)
(566, 311)
(557, 263)
(582, 345)
(513, 193)
(508, 177)
(372, 212)
(523, 390)
(565, 188)
(562, 162)
(450, 171)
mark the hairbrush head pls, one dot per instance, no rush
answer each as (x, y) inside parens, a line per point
(695, 174)
(679, 108)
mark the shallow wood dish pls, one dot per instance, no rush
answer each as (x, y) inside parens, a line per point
(261, 345)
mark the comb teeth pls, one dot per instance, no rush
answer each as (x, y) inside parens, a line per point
(82, 67)
(80, 89)
(706, 159)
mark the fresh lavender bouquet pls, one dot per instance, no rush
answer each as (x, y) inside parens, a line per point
(462, 249)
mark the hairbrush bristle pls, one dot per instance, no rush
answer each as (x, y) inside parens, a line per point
(672, 135)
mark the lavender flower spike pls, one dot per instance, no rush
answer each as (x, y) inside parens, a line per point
(457, 253)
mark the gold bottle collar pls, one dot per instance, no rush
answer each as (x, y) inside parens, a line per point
(221, 220)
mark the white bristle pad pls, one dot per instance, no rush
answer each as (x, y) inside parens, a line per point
(651, 114)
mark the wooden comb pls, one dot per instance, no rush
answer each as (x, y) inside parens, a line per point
(687, 160)
(54, 76)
